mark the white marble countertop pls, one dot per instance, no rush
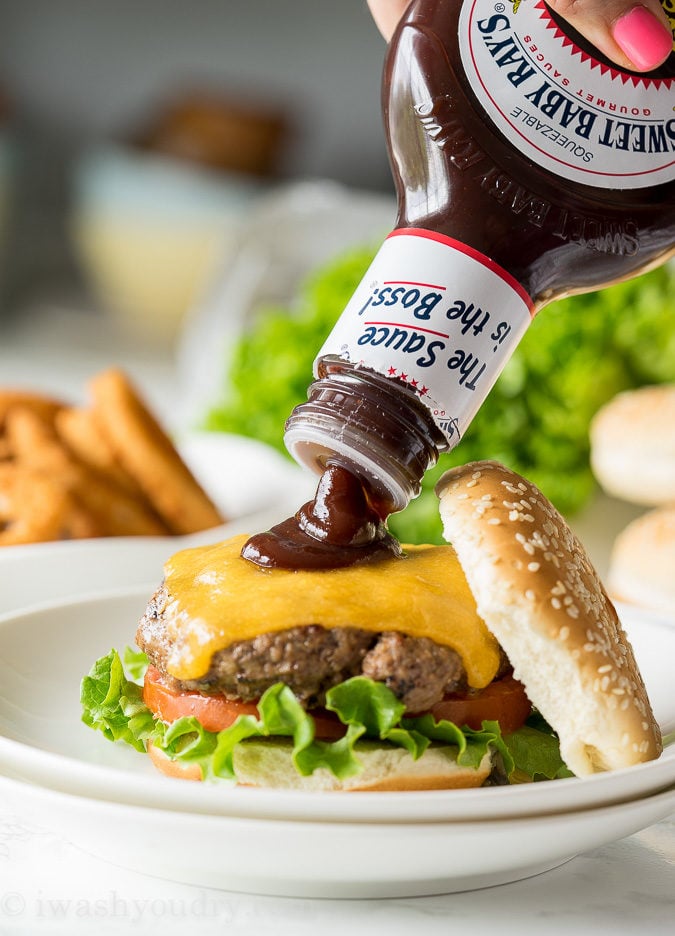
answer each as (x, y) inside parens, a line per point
(47, 885)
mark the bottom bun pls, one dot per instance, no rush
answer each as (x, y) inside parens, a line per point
(173, 768)
(268, 763)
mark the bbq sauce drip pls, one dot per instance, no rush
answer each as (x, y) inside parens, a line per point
(342, 526)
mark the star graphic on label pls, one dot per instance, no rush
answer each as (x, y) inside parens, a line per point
(413, 383)
(424, 390)
(392, 371)
(403, 376)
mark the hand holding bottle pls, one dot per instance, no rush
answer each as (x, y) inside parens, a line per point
(635, 36)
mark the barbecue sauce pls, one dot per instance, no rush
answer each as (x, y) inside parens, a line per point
(527, 168)
(339, 527)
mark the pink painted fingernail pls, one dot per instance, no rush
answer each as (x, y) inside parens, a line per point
(643, 38)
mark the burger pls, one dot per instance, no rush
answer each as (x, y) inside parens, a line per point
(497, 658)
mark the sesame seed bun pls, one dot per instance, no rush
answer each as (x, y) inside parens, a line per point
(642, 563)
(633, 446)
(539, 594)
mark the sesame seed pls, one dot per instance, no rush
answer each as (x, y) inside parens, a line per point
(564, 633)
(533, 566)
(486, 497)
(556, 603)
(522, 486)
(509, 487)
(528, 517)
(462, 496)
(617, 690)
(494, 521)
(529, 549)
(513, 515)
(476, 475)
(605, 668)
(471, 484)
(530, 595)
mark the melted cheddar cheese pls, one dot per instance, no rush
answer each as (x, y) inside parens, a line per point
(218, 598)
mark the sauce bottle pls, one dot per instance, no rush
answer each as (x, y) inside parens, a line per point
(527, 168)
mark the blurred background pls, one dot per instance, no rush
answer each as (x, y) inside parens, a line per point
(86, 84)
(179, 181)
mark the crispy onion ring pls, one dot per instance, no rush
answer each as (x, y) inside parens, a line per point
(44, 407)
(35, 508)
(147, 453)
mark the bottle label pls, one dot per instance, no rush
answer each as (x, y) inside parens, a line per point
(575, 116)
(438, 315)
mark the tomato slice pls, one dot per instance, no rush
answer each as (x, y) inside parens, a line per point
(503, 701)
(215, 712)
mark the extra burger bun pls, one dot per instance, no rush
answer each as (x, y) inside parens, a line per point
(268, 763)
(633, 446)
(539, 594)
(642, 563)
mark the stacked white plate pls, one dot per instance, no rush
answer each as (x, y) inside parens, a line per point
(107, 798)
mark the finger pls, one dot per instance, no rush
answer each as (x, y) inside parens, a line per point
(386, 14)
(635, 36)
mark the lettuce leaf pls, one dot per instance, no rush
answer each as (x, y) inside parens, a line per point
(113, 704)
(135, 663)
(535, 755)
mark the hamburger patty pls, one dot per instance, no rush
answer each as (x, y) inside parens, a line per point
(310, 660)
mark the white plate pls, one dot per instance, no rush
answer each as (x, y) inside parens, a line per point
(315, 859)
(45, 652)
(252, 484)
